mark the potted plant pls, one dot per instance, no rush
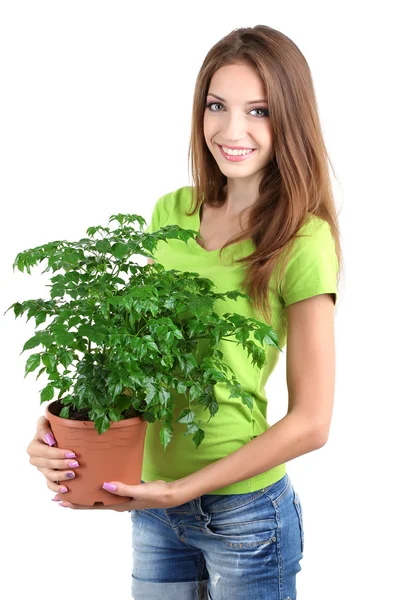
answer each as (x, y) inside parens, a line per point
(119, 338)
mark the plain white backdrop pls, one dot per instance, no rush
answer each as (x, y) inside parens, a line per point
(95, 109)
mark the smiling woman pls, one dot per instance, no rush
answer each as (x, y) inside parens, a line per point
(262, 206)
(267, 225)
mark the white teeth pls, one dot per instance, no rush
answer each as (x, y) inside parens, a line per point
(235, 152)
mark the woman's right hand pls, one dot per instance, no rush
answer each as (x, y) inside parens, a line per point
(54, 463)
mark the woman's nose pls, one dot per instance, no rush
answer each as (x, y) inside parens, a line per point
(234, 128)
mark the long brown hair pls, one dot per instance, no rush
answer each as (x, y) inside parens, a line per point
(296, 180)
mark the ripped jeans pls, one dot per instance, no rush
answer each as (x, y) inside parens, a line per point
(220, 547)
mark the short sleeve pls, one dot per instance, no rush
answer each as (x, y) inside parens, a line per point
(313, 266)
(156, 220)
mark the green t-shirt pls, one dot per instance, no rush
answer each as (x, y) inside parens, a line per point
(312, 270)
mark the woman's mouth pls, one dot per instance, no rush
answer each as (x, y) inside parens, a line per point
(236, 157)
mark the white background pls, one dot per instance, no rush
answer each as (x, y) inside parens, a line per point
(95, 109)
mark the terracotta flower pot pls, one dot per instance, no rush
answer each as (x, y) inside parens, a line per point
(115, 455)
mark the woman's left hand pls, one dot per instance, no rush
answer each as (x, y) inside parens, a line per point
(154, 494)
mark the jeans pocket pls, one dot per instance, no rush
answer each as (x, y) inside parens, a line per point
(249, 523)
(299, 510)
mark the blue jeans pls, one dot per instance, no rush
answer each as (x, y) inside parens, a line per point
(220, 547)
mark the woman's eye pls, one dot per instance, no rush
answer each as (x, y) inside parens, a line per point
(212, 104)
(264, 110)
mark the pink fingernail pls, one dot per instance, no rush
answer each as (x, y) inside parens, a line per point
(63, 489)
(70, 455)
(111, 487)
(49, 439)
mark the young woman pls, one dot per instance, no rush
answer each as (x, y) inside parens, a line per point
(224, 521)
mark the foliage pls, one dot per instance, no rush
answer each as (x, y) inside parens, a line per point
(121, 336)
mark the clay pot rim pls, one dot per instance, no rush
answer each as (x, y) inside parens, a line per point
(132, 421)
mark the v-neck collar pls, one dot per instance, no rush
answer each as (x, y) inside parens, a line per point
(200, 250)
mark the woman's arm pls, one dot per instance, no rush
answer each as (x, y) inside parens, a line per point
(310, 380)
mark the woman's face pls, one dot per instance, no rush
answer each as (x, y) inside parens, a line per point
(233, 121)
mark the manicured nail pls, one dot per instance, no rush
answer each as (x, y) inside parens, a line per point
(49, 439)
(110, 487)
(70, 455)
(63, 489)
(70, 475)
(73, 464)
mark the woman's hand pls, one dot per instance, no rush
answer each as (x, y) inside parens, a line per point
(54, 463)
(154, 494)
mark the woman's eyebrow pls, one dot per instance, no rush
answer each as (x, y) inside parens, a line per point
(252, 102)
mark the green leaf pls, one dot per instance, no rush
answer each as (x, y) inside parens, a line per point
(64, 413)
(103, 245)
(114, 415)
(65, 339)
(213, 407)
(191, 428)
(198, 437)
(115, 388)
(119, 250)
(40, 318)
(47, 393)
(102, 424)
(40, 372)
(74, 321)
(186, 416)
(181, 387)
(122, 402)
(72, 276)
(148, 416)
(195, 392)
(65, 357)
(18, 309)
(166, 435)
(57, 290)
(241, 334)
(31, 343)
(46, 339)
(49, 360)
(32, 363)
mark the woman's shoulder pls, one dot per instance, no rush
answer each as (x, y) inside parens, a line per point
(313, 223)
(175, 201)
(181, 194)
(315, 232)
(313, 241)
